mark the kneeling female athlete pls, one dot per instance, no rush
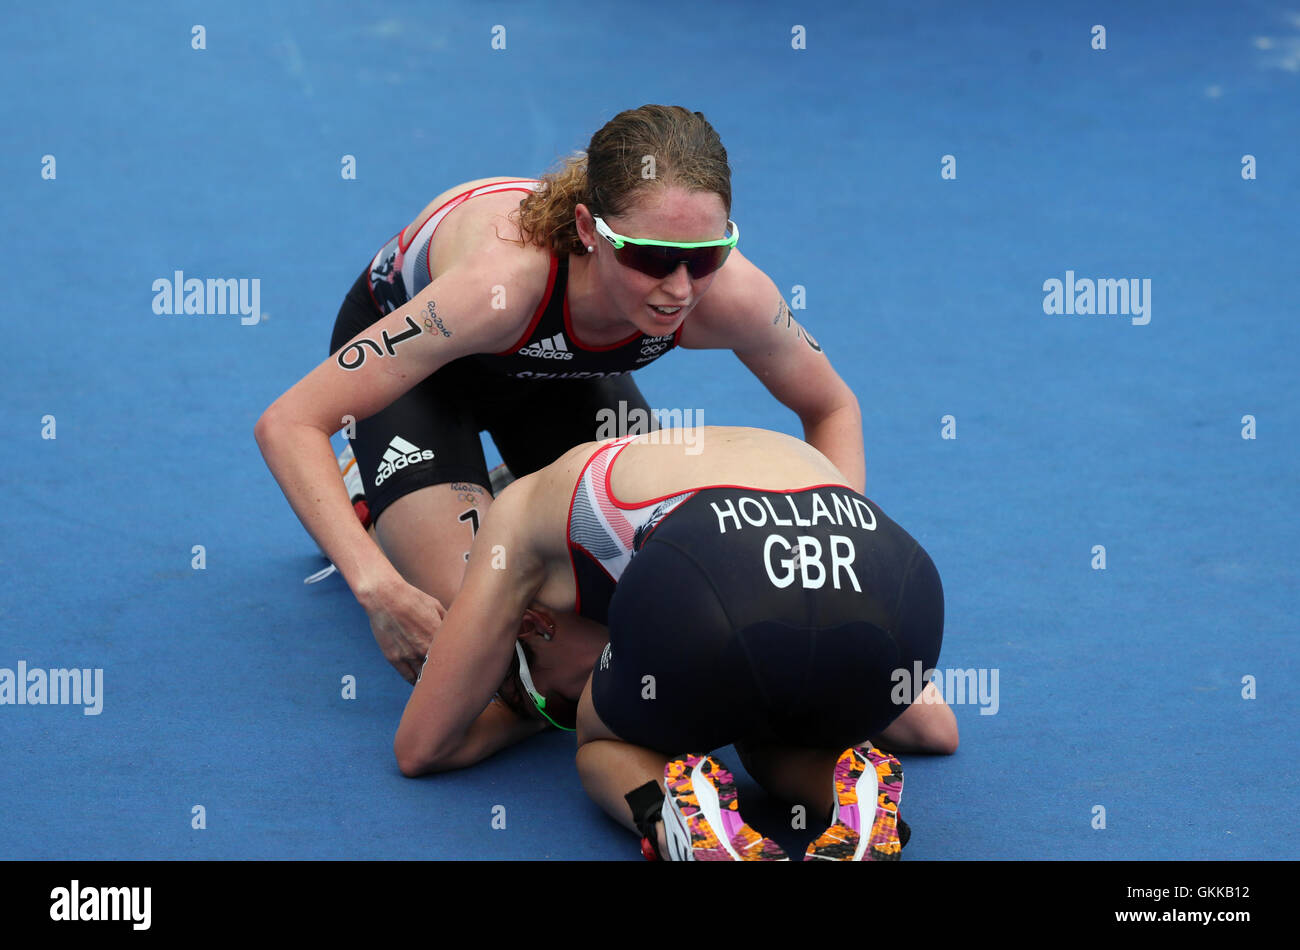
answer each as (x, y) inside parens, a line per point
(728, 589)
(521, 307)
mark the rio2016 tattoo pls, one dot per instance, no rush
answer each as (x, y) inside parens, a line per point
(431, 318)
(803, 334)
(467, 492)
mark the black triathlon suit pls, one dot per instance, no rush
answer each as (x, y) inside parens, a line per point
(738, 614)
(537, 399)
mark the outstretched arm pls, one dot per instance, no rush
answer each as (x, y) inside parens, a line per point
(746, 313)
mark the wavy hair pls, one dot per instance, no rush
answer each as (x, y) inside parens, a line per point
(637, 150)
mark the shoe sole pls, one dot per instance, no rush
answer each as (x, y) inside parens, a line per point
(863, 775)
(701, 800)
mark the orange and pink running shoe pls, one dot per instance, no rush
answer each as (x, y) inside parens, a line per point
(864, 822)
(702, 817)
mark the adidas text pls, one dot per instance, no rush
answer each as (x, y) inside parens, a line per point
(387, 467)
(540, 353)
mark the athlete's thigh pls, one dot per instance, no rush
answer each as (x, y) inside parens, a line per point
(537, 421)
(427, 436)
(590, 725)
(427, 534)
(673, 677)
(422, 467)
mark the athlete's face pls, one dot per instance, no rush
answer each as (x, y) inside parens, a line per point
(656, 306)
(560, 665)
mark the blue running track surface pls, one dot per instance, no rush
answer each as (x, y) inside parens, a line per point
(917, 173)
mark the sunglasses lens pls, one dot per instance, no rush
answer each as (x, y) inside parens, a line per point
(659, 262)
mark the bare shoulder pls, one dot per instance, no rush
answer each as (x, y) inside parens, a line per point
(480, 225)
(526, 533)
(480, 240)
(740, 297)
(441, 199)
(490, 280)
(540, 502)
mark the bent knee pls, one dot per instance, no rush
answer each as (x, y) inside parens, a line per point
(940, 736)
(946, 741)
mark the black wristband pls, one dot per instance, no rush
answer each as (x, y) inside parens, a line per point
(647, 804)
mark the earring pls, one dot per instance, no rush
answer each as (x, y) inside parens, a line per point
(591, 249)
